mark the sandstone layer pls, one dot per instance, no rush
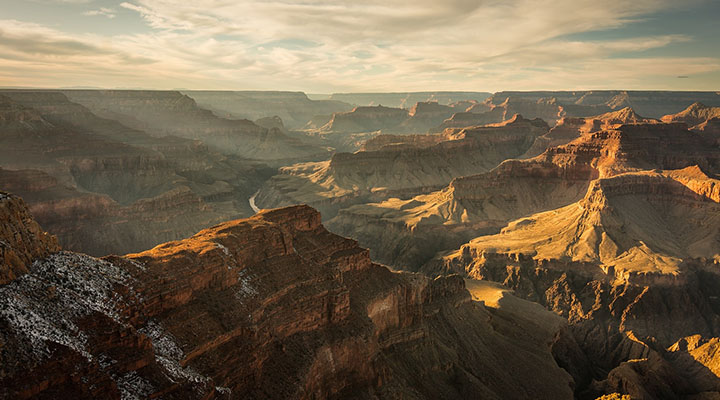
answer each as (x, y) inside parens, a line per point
(407, 232)
(21, 239)
(571, 128)
(633, 267)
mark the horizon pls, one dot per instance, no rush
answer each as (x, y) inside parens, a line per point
(322, 47)
(307, 93)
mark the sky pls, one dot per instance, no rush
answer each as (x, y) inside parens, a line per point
(320, 46)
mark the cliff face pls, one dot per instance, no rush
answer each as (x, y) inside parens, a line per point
(420, 118)
(700, 118)
(366, 119)
(21, 239)
(571, 128)
(632, 266)
(409, 232)
(382, 142)
(75, 216)
(641, 222)
(163, 113)
(399, 170)
(269, 307)
(477, 115)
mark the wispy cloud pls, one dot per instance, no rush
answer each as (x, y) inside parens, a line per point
(102, 11)
(328, 45)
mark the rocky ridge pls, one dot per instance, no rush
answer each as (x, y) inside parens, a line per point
(570, 128)
(700, 118)
(473, 205)
(267, 307)
(653, 104)
(21, 239)
(400, 168)
(163, 113)
(633, 267)
(295, 108)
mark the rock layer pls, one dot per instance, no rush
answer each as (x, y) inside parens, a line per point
(632, 266)
(415, 165)
(21, 239)
(701, 119)
(409, 232)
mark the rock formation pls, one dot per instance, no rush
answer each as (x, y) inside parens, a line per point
(570, 128)
(408, 232)
(273, 306)
(652, 104)
(633, 267)
(79, 171)
(295, 108)
(163, 113)
(421, 164)
(366, 119)
(701, 119)
(21, 239)
(347, 131)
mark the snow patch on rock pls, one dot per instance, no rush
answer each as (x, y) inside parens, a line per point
(169, 354)
(43, 305)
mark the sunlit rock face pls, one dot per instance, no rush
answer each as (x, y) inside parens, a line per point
(21, 239)
(408, 232)
(267, 307)
(633, 267)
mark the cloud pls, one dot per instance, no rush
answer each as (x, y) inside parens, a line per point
(63, 1)
(102, 11)
(342, 45)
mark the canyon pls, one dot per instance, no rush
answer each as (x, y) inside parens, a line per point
(79, 171)
(407, 232)
(248, 244)
(267, 307)
(404, 165)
